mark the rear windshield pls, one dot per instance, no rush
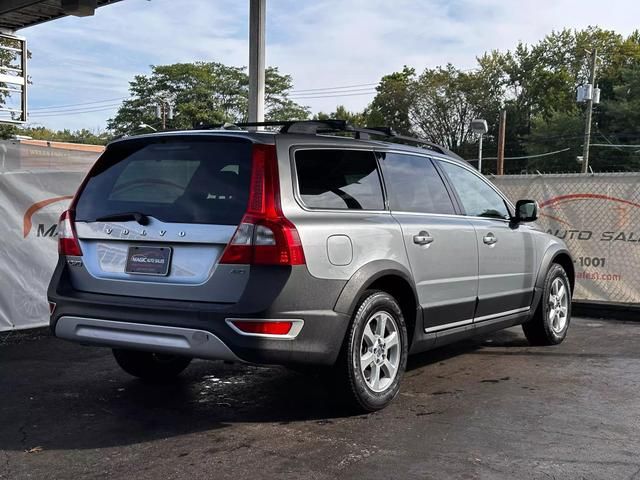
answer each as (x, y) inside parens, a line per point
(175, 180)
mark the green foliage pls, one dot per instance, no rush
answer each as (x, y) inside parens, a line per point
(536, 85)
(341, 113)
(392, 103)
(202, 93)
(42, 133)
(444, 102)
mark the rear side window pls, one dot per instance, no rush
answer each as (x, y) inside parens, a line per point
(175, 180)
(477, 197)
(339, 179)
(414, 185)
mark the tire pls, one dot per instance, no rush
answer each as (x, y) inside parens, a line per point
(548, 325)
(150, 366)
(377, 310)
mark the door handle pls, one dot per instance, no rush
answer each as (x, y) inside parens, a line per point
(422, 238)
(489, 239)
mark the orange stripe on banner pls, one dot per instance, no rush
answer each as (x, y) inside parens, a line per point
(586, 196)
(27, 222)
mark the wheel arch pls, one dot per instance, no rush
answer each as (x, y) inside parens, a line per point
(390, 277)
(565, 261)
(554, 254)
(560, 255)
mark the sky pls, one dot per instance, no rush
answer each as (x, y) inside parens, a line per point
(336, 51)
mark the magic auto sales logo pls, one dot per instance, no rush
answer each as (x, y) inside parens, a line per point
(149, 258)
(619, 210)
(47, 230)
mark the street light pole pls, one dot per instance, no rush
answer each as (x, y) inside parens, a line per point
(480, 154)
(587, 125)
(480, 127)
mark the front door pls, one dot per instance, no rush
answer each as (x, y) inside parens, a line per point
(506, 253)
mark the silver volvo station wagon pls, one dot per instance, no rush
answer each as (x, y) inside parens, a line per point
(315, 244)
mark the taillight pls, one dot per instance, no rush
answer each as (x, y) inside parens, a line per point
(67, 239)
(265, 236)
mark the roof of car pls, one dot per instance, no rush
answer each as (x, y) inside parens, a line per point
(269, 137)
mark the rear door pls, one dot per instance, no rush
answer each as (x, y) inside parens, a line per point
(506, 252)
(189, 194)
(441, 246)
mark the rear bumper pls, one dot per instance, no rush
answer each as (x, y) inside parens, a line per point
(138, 336)
(181, 327)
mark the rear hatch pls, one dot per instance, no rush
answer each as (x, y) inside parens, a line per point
(156, 214)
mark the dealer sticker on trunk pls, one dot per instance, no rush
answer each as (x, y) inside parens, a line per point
(143, 260)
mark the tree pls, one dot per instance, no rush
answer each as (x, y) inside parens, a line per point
(341, 113)
(202, 93)
(445, 100)
(617, 123)
(391, 105)
(559, 131)
(43, 133)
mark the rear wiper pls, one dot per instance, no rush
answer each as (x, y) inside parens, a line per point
(141, 218)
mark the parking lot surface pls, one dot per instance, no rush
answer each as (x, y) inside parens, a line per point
(490, 408)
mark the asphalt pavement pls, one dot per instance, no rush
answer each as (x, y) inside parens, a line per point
(491, 408)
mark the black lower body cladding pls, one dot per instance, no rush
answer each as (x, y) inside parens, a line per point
(272, 292)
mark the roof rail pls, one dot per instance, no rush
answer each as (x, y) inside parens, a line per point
(315, 127)
(310, 127)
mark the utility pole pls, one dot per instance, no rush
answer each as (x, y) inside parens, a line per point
(587, 125)
(501, 135)
(164, 111)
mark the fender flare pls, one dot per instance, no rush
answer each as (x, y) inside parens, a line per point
(364, 277)
(547, 259)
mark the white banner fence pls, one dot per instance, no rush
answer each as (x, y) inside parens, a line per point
(597, 215)
(37, 181)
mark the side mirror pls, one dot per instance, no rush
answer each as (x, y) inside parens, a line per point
(526, 211)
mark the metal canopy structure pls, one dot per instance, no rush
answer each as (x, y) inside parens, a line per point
(17, 14)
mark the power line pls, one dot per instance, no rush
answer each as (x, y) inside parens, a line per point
(333, 88)
(59, 107)
(74, 112)
(333, 95)
(293, 93)
(351, 90)
(530, 156)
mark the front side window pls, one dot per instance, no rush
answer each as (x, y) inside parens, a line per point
(414, 185)
(339, 179)
(477, 197)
